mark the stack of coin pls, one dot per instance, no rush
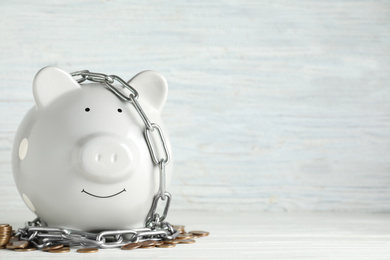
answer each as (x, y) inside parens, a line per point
(179, 228)
(185, 237)
(5, 234)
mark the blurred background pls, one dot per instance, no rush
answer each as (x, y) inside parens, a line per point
(272, 106)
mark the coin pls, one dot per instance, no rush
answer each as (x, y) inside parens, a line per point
(179, 228)
(60, 250)
(172, 241)
(87, 250)
(4, 225)
(2, 247)
(4, 242)
(185, 236)
(159, 243)
(47, 248)
(147, 247)
(27, 249)
(131, 246)
(17, 244)
(166, 246)
(6, 228)
(187, 241)
(148, 243)
(199, 233)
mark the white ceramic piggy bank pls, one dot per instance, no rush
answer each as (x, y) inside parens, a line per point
(80, 159)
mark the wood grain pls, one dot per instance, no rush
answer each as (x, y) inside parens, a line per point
(273, 105)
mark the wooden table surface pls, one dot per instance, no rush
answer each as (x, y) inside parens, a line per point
(250, 235)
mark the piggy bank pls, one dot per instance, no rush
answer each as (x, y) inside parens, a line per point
(80, 159)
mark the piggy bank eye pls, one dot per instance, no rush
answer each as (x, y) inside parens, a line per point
(87, 109)
(119, 110)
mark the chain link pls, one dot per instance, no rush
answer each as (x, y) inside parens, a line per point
(107, 80)
(40, 235)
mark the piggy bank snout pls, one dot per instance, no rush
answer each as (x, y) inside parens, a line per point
(106, 159)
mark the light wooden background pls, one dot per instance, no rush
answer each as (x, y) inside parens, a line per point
(273, 105)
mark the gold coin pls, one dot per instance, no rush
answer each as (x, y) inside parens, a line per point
(60, 250)
(17, 244)
(199, 233)
(87, 250)
(166, 246)
(4, 225)
(172, 241)
(131, 246)
(187, 241)
(27, 249)
(47, 248)
(148, 243)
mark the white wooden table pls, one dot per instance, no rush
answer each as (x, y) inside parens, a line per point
(253, 235)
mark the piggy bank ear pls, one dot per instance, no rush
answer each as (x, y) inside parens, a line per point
(152, 87)
(50, 83)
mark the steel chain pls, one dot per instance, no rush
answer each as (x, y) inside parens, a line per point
(150, 128)
(40, 235)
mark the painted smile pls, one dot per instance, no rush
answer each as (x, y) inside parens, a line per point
(103, 197)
